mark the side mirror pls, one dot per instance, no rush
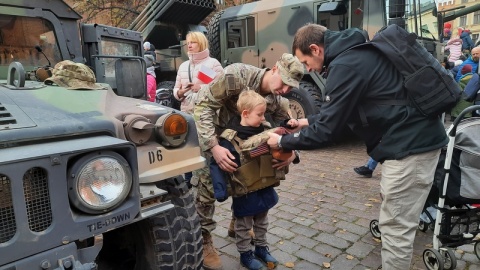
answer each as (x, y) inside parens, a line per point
(334, 8)
(131, 78)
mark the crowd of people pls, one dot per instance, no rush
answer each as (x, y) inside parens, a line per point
(246, 155)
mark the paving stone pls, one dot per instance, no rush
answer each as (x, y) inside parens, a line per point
(281, 233)
(352, 228)
(360, 250)
(329, 198)
(351, 237)
(304, 241)
(311, 256)
(290, 209)
(287, 246)
(306, 265)
(303, 221)
(327, 250)
(282, 223)
(344, 262)
(332, 240)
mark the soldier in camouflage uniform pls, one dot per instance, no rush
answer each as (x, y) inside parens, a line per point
(215, 105)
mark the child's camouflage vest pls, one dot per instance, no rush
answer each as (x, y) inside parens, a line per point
(254, 173)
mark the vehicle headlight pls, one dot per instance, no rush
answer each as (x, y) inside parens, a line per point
(172, 128)
(99, 182)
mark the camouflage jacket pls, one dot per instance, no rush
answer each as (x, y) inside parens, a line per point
(216, 102)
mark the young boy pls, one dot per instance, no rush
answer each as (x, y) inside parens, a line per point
(253, 195)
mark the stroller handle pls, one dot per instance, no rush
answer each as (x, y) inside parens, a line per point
(453, 130)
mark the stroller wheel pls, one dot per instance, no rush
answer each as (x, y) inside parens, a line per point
(450, 261)
(477, 249)
(433, 259)
(374, 229)
(423, 226)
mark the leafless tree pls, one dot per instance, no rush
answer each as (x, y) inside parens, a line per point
(119, 13)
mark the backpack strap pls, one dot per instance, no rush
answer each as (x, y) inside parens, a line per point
(393, 102)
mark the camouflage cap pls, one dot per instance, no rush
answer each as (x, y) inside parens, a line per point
(291, 70)
(73, 75)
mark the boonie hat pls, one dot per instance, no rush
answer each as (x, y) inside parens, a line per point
(73, 75)
(291, 70)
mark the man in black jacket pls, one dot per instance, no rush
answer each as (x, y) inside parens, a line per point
(406, 142)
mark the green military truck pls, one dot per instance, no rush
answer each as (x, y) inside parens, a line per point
(165, 24)
(89, 179)
(258, 33)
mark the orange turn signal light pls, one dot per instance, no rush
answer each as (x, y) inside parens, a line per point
(175, 125)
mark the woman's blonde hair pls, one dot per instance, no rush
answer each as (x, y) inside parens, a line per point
(200, 38)
(249, 99)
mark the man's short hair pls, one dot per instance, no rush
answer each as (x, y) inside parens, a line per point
(306, 35)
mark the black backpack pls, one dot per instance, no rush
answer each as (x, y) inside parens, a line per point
(429, 86)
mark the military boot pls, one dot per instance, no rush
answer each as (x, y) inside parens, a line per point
(211, 260)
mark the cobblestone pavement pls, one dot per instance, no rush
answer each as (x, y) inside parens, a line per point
(323, 216)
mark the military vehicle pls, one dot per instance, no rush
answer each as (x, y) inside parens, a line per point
(258, 33)
(89, 179)
(165, 23)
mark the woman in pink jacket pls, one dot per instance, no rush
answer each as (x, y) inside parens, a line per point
(454, 45)
(191, 72)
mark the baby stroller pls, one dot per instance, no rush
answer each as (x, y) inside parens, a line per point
(455, 191)
(457, 184)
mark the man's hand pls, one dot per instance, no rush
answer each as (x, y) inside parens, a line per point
(273, 140)
(278, 164)
(224, 158)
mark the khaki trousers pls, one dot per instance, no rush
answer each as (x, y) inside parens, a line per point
(259, 223)
(404, 186)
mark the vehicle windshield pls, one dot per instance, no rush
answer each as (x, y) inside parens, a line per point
(19, 36)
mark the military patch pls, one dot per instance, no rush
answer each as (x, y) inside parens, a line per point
(228, 134)
(231, 84)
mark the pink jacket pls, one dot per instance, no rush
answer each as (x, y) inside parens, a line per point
(455, 47)
(151, 87)
(195, 62)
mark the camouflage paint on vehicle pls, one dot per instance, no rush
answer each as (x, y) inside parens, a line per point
(51, 136)
(258, 33)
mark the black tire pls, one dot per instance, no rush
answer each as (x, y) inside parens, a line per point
(305, 100)
(477, 249)
(171, 240)
(450, 261)
(423, 226)
(374, 230)
(213, 31)
(433, 259)
(164, 95)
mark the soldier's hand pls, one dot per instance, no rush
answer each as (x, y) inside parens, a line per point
(224, 158)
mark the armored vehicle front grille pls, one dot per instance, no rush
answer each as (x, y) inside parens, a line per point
(37, 198)
(5, 117)
(8, 225)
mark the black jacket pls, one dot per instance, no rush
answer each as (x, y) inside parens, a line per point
(355, 80)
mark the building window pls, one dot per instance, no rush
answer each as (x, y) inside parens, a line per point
(476, 17)
(463, 20)
(475, 38)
